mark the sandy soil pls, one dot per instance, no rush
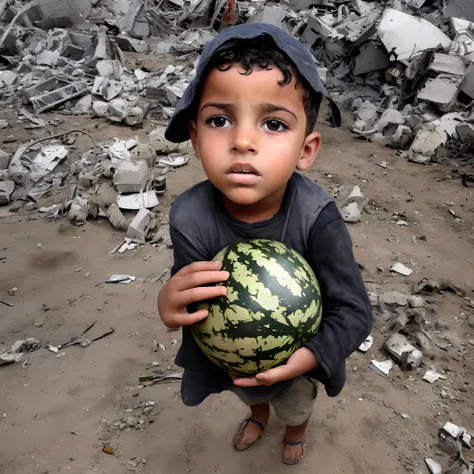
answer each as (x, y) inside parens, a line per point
(59, 411)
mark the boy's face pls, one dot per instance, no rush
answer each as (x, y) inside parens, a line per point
(250, 134)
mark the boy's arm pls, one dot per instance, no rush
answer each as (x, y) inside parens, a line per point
(347, 314)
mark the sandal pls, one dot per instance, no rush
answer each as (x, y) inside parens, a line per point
(241, 429)
(302, 443)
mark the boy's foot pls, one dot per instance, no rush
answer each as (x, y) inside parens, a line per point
(294, 447)
(252, 428)
(294, 452)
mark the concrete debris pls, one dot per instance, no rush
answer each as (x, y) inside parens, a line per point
(404, 35)
(6, 190)
(18, 350)
(441, 91)
(354, 206)
(367, 344)
(405, 70)
(406, 354)
(433, 466)
(116, 218)
(131, 177)
(137, 201)
(124, 279)
(78, 211)
(432, 376)
(382, 368)
(451, 432)
(141, 224)
(401, 269)
(448, 63)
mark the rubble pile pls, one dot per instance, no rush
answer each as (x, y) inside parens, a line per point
(405, 67)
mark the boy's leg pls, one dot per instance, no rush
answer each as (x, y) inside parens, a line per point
(249, 431)
(294, 408)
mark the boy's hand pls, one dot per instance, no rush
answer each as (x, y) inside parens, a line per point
(185, 288)
(300, 362)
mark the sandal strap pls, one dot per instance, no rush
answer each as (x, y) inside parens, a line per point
(295, 443)
(255, 422)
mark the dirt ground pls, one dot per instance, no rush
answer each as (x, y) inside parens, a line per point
(58, 411)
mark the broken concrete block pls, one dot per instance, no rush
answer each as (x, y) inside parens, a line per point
(16, 170)
(131, 44)
(467, 84)
(441, 91)
(134, 116)
(4, 160)
(107, 88)
(6, 189)
(159, 143)
(7, 78)
(433, 466)
(100, 108)
(50, 100)
(83, 105)
(354, 206)
(408, 355)
(273, 14)
(389, 117)
(109, 68)
(405, 35)
(448, 63)
(425, 144)
(78, 211)
(148, 200)
(48, 58)
(117, 110)
(137, 24)
(140, 226)
(465, 132)
(116, 218)
(299, 5)
(75, 11)
(368, 113)
(174, 93)
(131, 177)
(164, 47)
(460, 9)
(145, 152)
(372, 57)
(316, 29)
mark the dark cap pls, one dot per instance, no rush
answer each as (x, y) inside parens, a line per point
(178, 126)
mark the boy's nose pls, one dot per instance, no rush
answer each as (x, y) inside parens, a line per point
(244, 140)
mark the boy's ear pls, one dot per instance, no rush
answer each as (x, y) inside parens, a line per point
(309, 151)
(193, 135)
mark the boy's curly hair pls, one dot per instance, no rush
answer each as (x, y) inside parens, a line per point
(264, 54)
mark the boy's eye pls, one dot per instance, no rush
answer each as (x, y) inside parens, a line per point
(275, 125)
(218, 122)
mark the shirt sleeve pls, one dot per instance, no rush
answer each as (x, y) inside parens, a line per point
(188, 246)
(347, 313)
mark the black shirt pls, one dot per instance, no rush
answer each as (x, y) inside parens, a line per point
(309, 222)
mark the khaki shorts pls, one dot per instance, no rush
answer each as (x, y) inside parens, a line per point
(294, 405)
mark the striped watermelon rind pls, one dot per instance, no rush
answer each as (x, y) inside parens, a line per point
(272, 306)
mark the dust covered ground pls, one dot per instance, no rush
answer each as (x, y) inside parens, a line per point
(57, 413)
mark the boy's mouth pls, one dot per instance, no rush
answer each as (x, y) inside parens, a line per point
(244, 169)
(243, 174)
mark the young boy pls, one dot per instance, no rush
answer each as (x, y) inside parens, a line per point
(250, 113)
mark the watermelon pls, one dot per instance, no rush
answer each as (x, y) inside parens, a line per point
(272, 306)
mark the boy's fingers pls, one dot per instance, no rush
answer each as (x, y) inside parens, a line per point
(188, 319)
(247, 382)
(195, 295)
(199, 267)
(197, 279)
